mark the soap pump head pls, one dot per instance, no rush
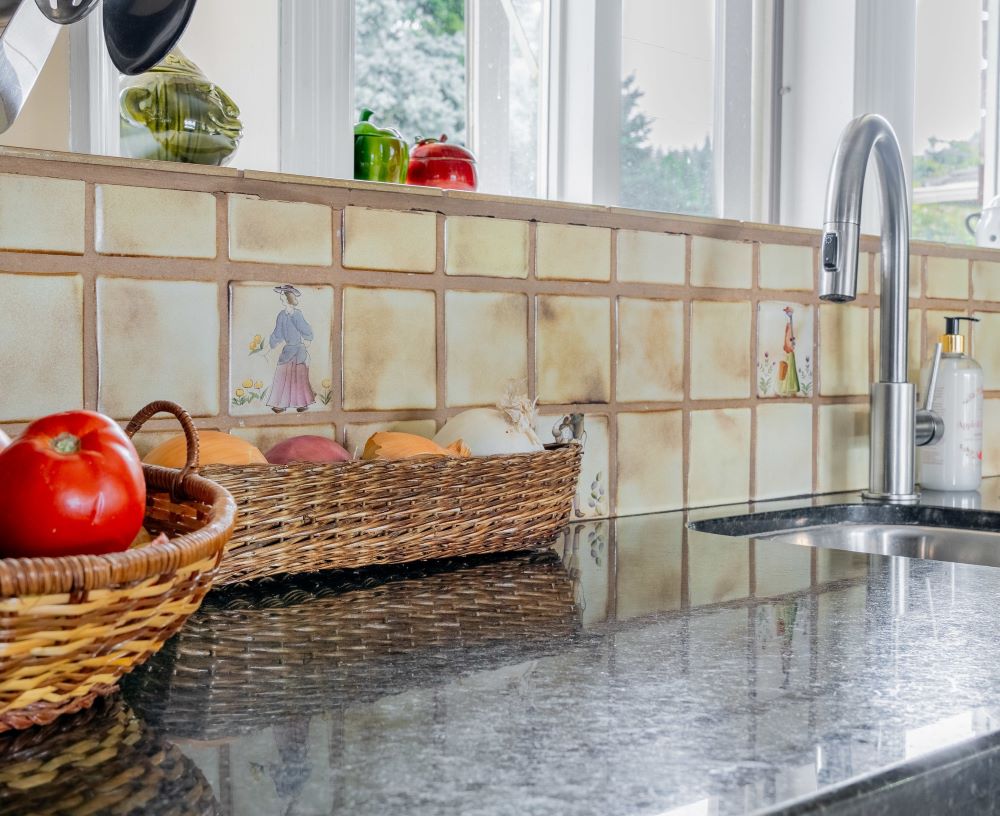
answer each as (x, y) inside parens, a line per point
(952, 341)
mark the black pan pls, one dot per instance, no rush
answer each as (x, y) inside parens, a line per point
(140, 33)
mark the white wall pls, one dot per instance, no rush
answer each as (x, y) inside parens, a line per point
(44, 121)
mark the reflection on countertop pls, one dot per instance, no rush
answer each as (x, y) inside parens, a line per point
(637, 668)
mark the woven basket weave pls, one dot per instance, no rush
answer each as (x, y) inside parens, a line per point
(71, 627)
(306, 517)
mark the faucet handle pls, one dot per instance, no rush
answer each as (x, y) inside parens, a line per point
(932, 379)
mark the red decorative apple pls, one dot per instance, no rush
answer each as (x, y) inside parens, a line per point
(435, 163)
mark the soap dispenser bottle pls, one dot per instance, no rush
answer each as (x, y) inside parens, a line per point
(956, 463)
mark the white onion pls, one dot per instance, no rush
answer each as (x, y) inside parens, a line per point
(491, 431)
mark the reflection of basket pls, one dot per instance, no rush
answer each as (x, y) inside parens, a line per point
(71, 627)
(306, 518)
(99, 761)
(250, 659)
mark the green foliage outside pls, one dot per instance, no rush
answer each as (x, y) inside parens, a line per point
(944, 161)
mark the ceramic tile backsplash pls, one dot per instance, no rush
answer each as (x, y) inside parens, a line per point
(784, 454)
(788, 268)
(488, 247)
(41, 214)
(986, 280)
(986, 347)
(650, 462)
(719, 459)
(280, 232)
(593, 494)
(721, 264)
(570, 252)
(843, 342)
(573, 349)
(991, 441)
(650, 350)
(842, 447)
(784, 349)
(651, 257)
(390, 240)
(720, 359)
(154, 222)
(947, 278)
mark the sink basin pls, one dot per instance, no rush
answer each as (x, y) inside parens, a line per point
(913, 531)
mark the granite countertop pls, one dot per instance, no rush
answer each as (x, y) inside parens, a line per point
(639, 668)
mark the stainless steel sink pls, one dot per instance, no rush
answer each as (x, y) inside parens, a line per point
(936, 533)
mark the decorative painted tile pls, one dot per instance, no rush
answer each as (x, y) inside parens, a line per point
(265, 438)
(780, 569)
(784, 450)
(593, 499)
(789, 268)
(280, 348)
(280, 232)
(842, 456)
(650, 350)
(719, 460)
(573, 349)
(490, 247)
(41, 214)
(718, 569)
(648, 562)
(986, 346)
(41, 345)
(991, 437)
(914, 350)
(157, 340)
(651, 257)
(784, 349)
(916, 274)
(843, 350)
(390, 349)
(722, 264)
(390, 240)
(584, 548)
(650, 462)
(154, 222)
(571, 252)
(986, 280)
(947, 278)
(357, 434)
(720, 343)
(486, 341)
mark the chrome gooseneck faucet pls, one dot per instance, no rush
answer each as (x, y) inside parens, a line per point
(896, 425)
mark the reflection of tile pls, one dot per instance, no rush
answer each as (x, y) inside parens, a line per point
(358, 434)
(780, 569)
(985, 280)
(786, 267)
(914, 352)
(720, 339)
(280, 232)
(986, 347)
(41, 345)
(650, 257)
(264, 328)
(587, 558)
(157, 340)
(389, 240)
(719, 463)
(991, 437)
(784, 450)
(723, 264)
(842, 458)
(573, 354)
(836, 565)
(389, 349)
(155, 222)
(494, 247)
(571, 252)
(648, 564)
(778, 373)
(843, 350)
(267, 437)
(650, 462)
(650, 350)
(947, 278)
(718, 568)
(41, 214)
(486, 337)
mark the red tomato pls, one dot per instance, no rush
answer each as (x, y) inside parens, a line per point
(70, 484)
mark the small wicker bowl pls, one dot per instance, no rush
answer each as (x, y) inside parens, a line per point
(71, 627)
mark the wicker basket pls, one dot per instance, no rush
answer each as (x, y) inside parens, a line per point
(307, 517)
(71, 627)
(281, 650)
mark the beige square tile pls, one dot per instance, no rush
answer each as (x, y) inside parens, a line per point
(786, 267)
(280, 232)
(41, 214)
(914, 350)
(986, 280)
(390, 349)
(357, 434)
(719, 459)
(280, 350)
(491, 247)
(486, 341)
(573, 349)
(722, 264)
(843, 350)
(781, 373)
(648, 564)
(571, 252)
(390, 240)
(593, 495)
(651, 257)
(718, 569)
(864, 272)
(948, 278)
(916, 275)
(265, 438)
(650, 350)
(986, 347)
(154, 222)
(991, 437)
(720, 350)
(650, 462)
(780, 569)
(842, 458)
(784, 450)
(157, 340)
(41, 345)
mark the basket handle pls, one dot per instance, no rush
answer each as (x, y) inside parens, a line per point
(190, 433)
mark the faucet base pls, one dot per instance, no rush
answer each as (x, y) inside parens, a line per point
(890, 498)
(893, 451)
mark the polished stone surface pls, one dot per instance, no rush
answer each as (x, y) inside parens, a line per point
(643, 668)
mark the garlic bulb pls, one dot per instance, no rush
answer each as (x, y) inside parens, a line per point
(508, 428)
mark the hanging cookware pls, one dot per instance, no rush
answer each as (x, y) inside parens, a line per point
(140, 33)
(65, 12)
